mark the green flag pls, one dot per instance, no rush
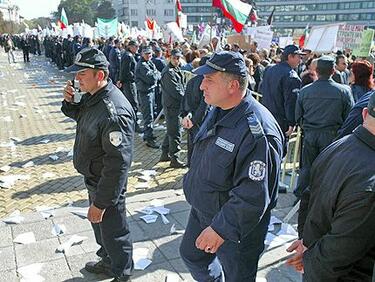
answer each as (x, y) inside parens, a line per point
(107, 27)
(364, 48)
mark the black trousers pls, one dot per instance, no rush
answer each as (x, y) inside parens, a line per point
(238, 260)
(113, 237)
(314, 142)
(172, 138)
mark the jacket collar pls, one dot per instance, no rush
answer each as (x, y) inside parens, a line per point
(99, 95)
(365, 136)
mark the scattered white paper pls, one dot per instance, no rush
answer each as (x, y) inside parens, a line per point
(20, 104)
(28, 164)
(12, 91)
(161, 210)
(173, 229)
(30, 273)
(15, 139)
(5, 168)
(149, 218)
(45, 208)
(147, 210)
(45, 141)
(9, 144)
(80, 211)
(274, 241)
(61, 149)
(146, 178)
(271, 227)
(23, 116)
(58, 229)
(287, 229)
(48, 175)
(260, 279)
(47, 214)
(140, 258)
(164, 219)
(7, 181)
(54, 157)
(25, 238)
(149, 172)
(157, 203)
(74, 240)
(275, 220)
(70, 153)
(142, 185)
(6, 119)
(159, 127)
(14, 218)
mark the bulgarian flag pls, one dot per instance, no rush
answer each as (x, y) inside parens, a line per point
(235, 10)
(63, 22)
(303, 38)
(178, 12)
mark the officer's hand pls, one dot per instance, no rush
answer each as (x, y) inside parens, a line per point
(95, 215)
(296, 260)
(290, 131)
(119, 84)
(209, 241)
(187, 123)
(68, 92)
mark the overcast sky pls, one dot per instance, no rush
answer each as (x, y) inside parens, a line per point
(36, 8)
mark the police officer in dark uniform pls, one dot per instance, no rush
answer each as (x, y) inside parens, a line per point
(232, 181)
(280, 88)
(160, 63)
(146, 77)
(103, 152)
(338, 232)
(126, 79)
(114, 61)
(321, 109)
(173, 89)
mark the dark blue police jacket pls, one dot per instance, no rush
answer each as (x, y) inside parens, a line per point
(103, 147)
(234, 169)
(280, 88)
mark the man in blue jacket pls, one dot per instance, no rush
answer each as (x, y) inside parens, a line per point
(103, 151)
(232, 181)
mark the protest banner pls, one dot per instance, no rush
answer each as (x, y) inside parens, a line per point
(349, 36)
(364, 48)
(322, 38)
(106, 27)
(263, 38)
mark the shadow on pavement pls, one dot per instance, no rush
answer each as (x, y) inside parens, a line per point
(45, 159)
(57, 137)
(72, 183)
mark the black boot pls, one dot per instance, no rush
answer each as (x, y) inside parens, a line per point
(164, 157)
(99, 267)
(152, 144)
(176, 163)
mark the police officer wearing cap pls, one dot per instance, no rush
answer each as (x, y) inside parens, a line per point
(126, 79)
(173, 84)
(146, 78)
(232, 181)
(280, 88)
(338, 232)
(114, 61)
(103, 151)
(321, 109)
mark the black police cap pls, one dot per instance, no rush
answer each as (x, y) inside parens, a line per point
(89, 58)
(292, 50)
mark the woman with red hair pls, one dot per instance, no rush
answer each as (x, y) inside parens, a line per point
(361, 78)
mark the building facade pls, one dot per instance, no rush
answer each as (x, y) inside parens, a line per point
(134, 12)
(291, 16)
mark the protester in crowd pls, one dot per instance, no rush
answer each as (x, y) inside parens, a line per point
(173, 89)
(309, 75)
(9, 48)
(160, 63)
(233, 176)
(341, 74)
(280, 88)
(25, 46)
(361, 78)
(258, 69)
(321, 109)
(250, 69)
(103, 153)
(337, 213)
(146, 78)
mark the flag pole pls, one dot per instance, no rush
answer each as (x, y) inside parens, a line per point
(212, 20)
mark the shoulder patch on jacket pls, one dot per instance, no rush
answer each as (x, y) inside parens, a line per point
(293, 74)
(255, 126)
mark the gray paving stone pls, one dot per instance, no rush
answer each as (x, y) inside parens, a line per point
(155, 272)
(279, 272)
(169, 246)
(73, 223)
(41, 251)
(154, 253)
(7, 259)
(158, 229)
(55, 270)
(180, 267)
(5, 236)
(182, 217)
(41, 229)
(9, 275)
(137, 233)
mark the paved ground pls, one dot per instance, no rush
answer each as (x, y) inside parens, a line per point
(33, 129)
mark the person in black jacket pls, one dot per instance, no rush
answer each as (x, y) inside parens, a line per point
(146, 78)
(173, 89)
(337, 214)
(194, 109)
(25, 45)
(126, 79)
(103, 151)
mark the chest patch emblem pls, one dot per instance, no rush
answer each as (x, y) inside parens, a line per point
(226, 145)
(115, 137)
(257, 170)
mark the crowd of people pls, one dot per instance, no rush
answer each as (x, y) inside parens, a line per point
(235, 148)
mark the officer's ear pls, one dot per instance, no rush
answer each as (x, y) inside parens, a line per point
(364, 113)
